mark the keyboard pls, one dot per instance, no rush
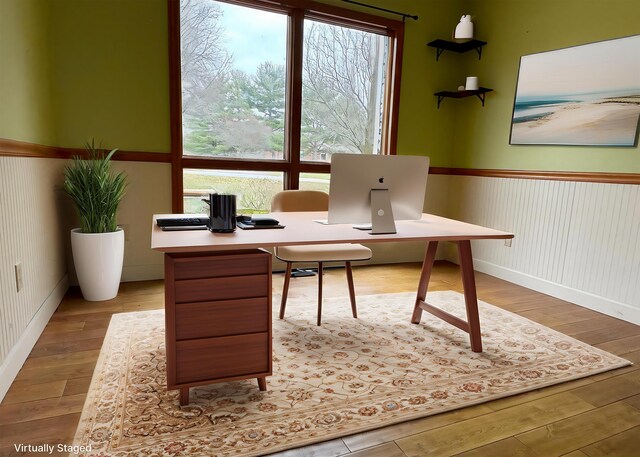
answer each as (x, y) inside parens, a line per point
(176, 228)
(182, 221)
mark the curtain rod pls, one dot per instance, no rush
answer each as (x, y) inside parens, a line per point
(404, 15)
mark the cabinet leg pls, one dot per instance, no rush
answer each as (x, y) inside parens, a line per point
(184, 396)
(262, 384)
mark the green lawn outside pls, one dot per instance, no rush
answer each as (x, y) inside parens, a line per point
(253, 193)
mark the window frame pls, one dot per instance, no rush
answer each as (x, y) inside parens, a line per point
(292, 166)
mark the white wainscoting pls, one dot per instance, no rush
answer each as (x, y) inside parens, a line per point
(30, 234)
(574, 240)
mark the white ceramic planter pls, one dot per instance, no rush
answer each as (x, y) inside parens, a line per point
(98, 260)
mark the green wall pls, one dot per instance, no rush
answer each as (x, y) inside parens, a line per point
(111, 76)
(76, 70)
(423, 129)
(25, 98)
(514, 28)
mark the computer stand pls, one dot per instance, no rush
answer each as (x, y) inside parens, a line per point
(382, 221)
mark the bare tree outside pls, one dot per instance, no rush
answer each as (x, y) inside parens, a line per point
(205, 61)
(342, 89)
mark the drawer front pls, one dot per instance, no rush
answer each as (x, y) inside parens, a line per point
(210, 289)
(222, 318)
(222, 265)
(216, 358)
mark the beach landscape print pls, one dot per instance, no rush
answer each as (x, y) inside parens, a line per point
(586, 95)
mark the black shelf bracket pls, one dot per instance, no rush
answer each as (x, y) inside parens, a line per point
(481, 97)
(480, 93)
(455, 46)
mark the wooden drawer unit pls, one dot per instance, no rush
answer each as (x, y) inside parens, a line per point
(218, 318)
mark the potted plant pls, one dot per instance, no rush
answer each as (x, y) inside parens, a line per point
(98, 244)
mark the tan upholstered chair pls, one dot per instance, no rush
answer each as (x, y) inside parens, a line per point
(312, 200)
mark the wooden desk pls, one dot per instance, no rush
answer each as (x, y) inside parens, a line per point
(204, 260)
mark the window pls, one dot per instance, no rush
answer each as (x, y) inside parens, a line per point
(233, 62)
(263, 94)
(342, 88)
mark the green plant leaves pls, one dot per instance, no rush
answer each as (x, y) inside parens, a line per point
(95, 190)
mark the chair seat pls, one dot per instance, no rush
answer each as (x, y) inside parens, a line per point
(344, 252)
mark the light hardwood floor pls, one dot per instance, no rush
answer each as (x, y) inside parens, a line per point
(595, 416)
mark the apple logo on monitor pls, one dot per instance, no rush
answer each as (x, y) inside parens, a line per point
(381, 180)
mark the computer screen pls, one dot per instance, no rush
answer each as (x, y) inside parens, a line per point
(395, 183)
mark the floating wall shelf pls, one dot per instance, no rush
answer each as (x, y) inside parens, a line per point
(445, 45)
(480, 93)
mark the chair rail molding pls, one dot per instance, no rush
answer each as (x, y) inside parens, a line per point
(15, 148)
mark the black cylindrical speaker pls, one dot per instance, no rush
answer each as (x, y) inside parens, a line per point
(222, 213)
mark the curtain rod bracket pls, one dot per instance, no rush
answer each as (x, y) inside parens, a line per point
(404, 15)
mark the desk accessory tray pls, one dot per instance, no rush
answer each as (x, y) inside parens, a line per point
(251, 226)
(177, 228)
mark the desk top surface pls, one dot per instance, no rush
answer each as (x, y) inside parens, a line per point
(300, 229)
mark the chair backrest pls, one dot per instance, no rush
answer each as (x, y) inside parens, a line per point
(300, 200)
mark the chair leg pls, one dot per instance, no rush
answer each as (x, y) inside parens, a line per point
(319, 293)
(352, 291)
(285, 289)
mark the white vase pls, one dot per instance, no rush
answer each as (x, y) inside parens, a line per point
(98, 261)
(464, 29)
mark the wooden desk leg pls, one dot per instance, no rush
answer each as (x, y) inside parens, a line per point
(470, 296)
(425, 275)
(184, 396)
(262, 384)
(319, 293)
(285, 289)
(352, 291)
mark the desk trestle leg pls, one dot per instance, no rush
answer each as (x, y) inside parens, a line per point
(470, 297)
(472, 325)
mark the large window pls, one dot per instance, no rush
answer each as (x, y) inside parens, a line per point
(262, 95)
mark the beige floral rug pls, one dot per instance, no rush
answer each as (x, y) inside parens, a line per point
(342, 378)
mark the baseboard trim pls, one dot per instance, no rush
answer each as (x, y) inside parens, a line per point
(597, 303)
(21, 350)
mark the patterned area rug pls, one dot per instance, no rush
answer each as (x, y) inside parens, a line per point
(342, 378)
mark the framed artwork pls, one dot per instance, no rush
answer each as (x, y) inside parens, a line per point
(586, 95)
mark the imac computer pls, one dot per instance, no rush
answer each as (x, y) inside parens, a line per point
(373, 191)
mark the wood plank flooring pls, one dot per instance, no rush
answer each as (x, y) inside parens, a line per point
(595, 416)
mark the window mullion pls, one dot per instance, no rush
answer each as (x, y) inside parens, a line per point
(294, 98)
(175, 101)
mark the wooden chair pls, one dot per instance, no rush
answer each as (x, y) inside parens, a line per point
(312, 200)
